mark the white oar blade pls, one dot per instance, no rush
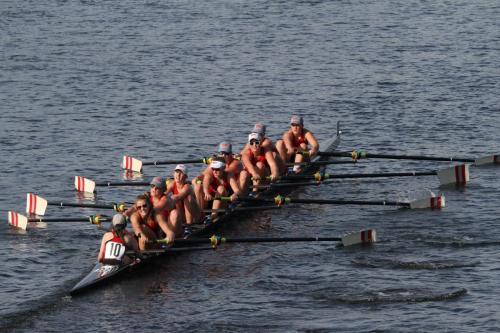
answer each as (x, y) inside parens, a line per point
(432, 202)
(132, 164)
(458, 174)
(493, 159)
(17, 220)
(35, 204)
(83, 184)
(361, 237)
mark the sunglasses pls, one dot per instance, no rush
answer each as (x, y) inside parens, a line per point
(216, 169)
(145, 207)
(295, 125)
(254, 142)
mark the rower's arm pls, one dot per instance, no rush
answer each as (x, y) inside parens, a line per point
(183, 193)
(136, 226)
(287, 140)
(271, 161)
(248, 165)
(207, 179)
(234, 184)
(313, 142)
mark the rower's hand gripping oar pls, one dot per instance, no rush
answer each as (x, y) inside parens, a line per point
(458, 175)
(37, 205)
(21, 222)
(358, 154)
(134, 164)
(361, 237)
(432, 202)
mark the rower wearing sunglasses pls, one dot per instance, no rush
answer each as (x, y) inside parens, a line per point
(297, 139)
(154, 215)
(259, 162)
(268, 145)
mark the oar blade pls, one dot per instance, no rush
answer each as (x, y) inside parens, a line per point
(17, 220)
(432, 203)
(83, 184)
(35, 204)
(131, 164)
(361, 237)
(458, 174)
(492, 159)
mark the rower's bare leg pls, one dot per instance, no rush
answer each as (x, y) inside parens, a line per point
(219, 204)
(281, 148)
(169, 228)
(143, 241)
(198, 191)
(244, 182)
(281, 165)
(192, 210)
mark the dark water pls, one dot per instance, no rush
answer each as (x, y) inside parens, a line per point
(84, 82)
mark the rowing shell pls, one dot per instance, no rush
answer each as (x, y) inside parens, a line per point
(102, 274)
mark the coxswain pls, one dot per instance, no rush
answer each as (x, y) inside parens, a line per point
(182, 194)
(295, 141)
(116, 242)
(257, 161)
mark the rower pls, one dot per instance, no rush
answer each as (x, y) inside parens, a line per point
(268, 145)
(182, 194)
(218, 183)
(234, 166)
(296, 140)
(154, 213)
(115, 243)
(258, 162)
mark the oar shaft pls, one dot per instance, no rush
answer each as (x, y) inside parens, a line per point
(82, 205)
(360, 175)
(110, 184)
(259, 240)
(242, 209)
(398, 157)
(174, 249)
(198, 160)
(350, 202)
(322, 163)
(286, 200)
(385, 174)
(67, 219)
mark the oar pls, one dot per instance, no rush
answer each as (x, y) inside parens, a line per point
(37, 205)
(174, 249)
(357, 154)
(454, 175)
(86, 185)
(321, 163)
(20, 221)
(134, 164)
(431, 202)
(241, 209)
(362, 237)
